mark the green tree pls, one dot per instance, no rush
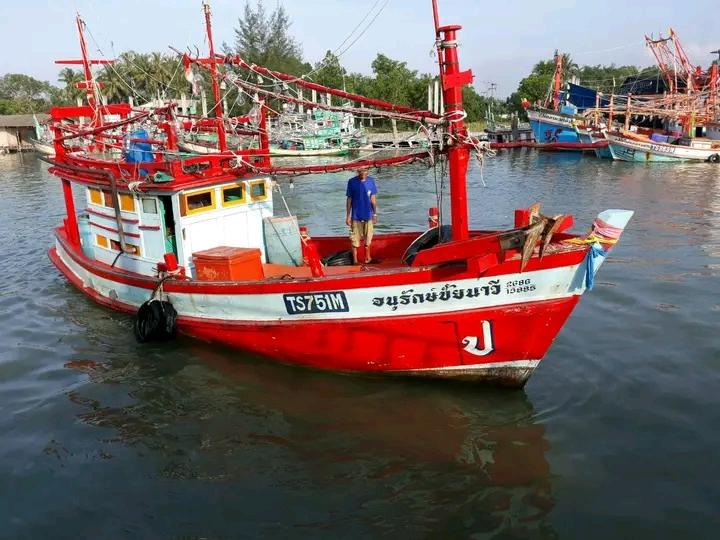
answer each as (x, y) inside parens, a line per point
(605, 78)
(393, 80)
(329, 72)
(569, 68)
(21, 93)
(266, 40)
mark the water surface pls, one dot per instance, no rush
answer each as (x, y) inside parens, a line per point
(615, 435)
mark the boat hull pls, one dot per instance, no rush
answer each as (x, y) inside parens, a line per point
(197, 148)
(279, 152)
(43, 147)
(493, 330)
(625, 149)
(587, 137)
(553, 129)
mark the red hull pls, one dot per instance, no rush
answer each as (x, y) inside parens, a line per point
(414, 345)
(574, 146)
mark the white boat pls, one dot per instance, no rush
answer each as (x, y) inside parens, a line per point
(628, 146)
(43, 147)
(282, 152)
(197, 147)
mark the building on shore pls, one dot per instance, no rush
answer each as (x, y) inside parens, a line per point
(17, 130)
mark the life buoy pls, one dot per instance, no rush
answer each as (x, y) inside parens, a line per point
(156, 320)
(715, 158)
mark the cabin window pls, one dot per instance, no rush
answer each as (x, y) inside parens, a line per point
(132, 249)
(107, 199)
(149, 206)
(258, 190)
(127, 202)
(101, 241)
(199, 202)
(233, 195)
(95, 196)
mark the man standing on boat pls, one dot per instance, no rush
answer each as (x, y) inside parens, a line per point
(361, 212)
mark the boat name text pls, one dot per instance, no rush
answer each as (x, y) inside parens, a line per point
(447, 292)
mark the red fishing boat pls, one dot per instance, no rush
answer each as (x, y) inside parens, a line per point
(191, 244)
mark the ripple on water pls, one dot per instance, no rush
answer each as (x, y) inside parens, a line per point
(187, 439)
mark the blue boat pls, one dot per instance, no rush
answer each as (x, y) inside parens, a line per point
(554, 127)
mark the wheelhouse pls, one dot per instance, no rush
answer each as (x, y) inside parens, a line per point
(182, 222)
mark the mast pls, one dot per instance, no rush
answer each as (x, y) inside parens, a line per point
(558, 81)
(713, 90)
(93, 99)
(458, 152)
(218, 110)
(91, 87)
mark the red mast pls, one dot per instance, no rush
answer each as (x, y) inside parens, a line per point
(458, 152)
(558, 81)
(91, 87)
(222, 141)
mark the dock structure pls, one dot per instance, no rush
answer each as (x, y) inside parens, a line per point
(509, 136)
(397, 139)
(515, 136)
(17, 130)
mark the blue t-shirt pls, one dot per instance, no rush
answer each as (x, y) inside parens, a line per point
(360, 193)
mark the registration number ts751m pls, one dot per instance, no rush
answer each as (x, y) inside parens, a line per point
(323, 302)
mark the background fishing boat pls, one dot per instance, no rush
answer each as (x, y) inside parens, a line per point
(628, 146)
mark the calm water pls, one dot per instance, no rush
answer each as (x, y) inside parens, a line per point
(615, 436)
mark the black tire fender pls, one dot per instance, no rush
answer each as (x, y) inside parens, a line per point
(156, 320)
(426, 240)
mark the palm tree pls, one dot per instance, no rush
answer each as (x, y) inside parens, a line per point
(113, 89)
(569, 67)
(70, 78)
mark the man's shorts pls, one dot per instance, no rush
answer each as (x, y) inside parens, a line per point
(359, 231)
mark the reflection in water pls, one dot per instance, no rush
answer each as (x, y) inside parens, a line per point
(459, 461)
(192, 441)
(711, 209)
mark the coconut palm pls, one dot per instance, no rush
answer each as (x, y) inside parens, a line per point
(569, 67)
(70, 78)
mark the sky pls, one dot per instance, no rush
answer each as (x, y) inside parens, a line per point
(501, 39)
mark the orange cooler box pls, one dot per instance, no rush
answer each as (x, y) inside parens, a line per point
(226, 263)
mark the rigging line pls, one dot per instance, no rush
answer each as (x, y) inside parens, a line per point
(390, 114)
(357, 26)
(367, 27)
(335, 51)
(172, 79)
(112, 49)
(117, 73)
(120, 77)
(633, 44)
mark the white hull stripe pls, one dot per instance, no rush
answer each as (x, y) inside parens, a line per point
(669, 150)
(520, 364)
(375, 302)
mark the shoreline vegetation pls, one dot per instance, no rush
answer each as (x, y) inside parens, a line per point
(264, 38)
